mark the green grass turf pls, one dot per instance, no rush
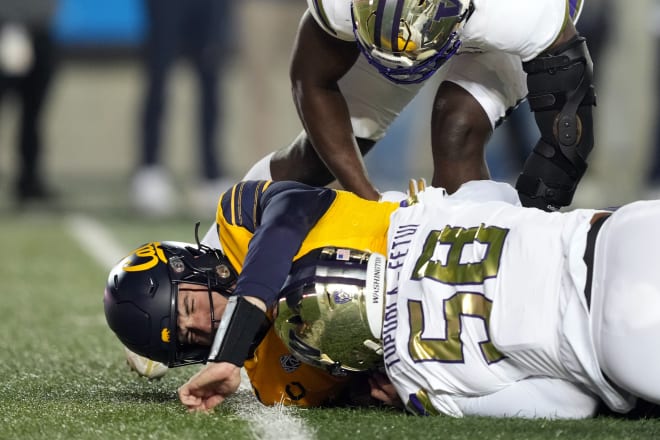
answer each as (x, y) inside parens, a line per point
(62, 374)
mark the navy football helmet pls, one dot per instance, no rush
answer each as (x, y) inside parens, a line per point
(140, 297)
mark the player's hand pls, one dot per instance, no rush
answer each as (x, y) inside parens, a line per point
(383, 390)
(210, 386)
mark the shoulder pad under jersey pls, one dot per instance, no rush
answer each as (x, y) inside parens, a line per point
(334, 17)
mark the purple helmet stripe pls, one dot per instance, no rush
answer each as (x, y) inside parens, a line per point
(378, 30)
(379, 24)
(574, 8)
(449, 8)
(396, 19)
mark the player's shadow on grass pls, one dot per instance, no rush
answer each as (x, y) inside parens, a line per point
(642, 410)
(146, 396)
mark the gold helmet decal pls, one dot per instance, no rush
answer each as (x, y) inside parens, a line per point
(150, 251)
(165, 335)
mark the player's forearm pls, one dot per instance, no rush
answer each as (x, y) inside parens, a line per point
(326, 118)
(318, 62)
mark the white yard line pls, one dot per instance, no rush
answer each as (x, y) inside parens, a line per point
(269, 422)
(266, 423)
(96, 240)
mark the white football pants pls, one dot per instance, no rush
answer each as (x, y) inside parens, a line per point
(625, 309)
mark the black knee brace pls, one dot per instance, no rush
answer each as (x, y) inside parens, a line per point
(561, 95)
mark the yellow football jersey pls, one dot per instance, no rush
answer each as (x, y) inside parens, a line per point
(349, 221)
(278, 377)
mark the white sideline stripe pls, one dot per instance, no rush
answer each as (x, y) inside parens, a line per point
(95, 239)
(266, 423)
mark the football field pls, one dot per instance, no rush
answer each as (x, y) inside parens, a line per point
(62, 371)
(63, 374)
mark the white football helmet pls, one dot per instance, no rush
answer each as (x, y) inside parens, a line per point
(408, 40)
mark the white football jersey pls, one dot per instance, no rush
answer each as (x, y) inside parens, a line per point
(472, 308)
(496, 38)
(523, 28)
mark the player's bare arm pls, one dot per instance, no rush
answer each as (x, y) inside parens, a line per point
(319, 61)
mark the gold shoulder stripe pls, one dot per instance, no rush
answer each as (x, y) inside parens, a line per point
(258, 190)
(232, 205)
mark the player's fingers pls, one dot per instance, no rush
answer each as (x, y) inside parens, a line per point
(381, 396)
(195, 403)
(213, 401)
(206, 404)
(187, 397)
(197, 408)
(376, 391)
(383, 390)
(191, 403)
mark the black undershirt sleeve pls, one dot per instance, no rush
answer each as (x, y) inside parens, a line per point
(287, 211)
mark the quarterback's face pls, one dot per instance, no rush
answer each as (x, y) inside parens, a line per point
(194, 314)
